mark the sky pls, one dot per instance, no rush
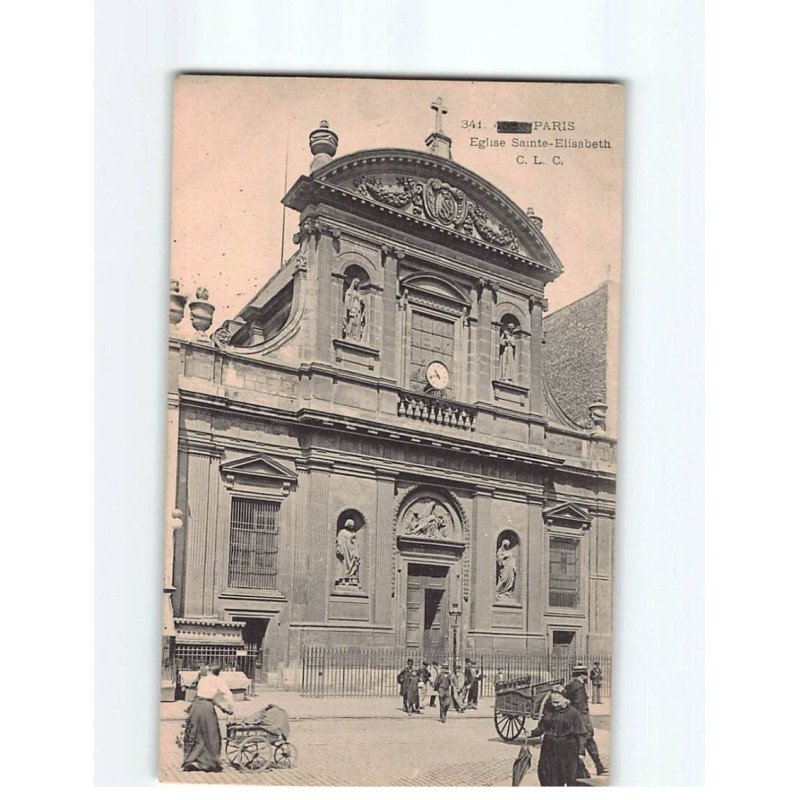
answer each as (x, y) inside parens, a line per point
(239, 142)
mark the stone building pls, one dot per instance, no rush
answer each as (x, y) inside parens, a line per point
(369, 454)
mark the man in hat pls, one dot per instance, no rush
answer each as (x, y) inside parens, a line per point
(472, 672)
(434, 670)
(596, 679)
(407, 678)
(443, 687)
(424, 678)
(575, 692)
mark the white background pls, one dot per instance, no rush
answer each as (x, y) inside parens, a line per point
(661, 632)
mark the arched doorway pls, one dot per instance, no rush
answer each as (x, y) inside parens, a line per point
(430, 548)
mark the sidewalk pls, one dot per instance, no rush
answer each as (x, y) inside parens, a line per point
(300, 707)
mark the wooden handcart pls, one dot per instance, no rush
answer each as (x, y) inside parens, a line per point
(253, 748)
(517, 700)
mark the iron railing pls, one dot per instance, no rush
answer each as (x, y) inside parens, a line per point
(351, 672)
(239, 657)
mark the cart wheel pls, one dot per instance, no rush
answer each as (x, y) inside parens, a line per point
(232, 752)
(253, 754)
(508, 726)
(284, 756)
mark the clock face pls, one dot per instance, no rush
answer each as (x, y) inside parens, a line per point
(438, 375)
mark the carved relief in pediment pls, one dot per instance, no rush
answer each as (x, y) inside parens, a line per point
(428, 518)
(440, 203)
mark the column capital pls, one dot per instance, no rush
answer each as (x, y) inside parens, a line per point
(392, 251)
(538, 300)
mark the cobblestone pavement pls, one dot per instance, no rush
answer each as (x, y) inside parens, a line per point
(401, 751)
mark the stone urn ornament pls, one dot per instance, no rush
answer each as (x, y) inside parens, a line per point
(323, 143)
(202, 312)
(177, 302)
(597, 415)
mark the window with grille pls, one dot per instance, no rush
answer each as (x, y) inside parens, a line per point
(432, 339)
(253, 562)
(564, 572)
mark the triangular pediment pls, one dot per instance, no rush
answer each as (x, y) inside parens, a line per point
(567, 514)
(258, 466)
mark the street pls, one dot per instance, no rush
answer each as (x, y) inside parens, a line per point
(387, 751)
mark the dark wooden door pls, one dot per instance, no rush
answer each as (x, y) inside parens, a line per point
(434, 635)
(426, 609)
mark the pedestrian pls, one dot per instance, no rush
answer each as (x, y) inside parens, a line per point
(474, 676)
(434, 670)
(202, 742)
(575, 692)
(469, 678)
(564, 733)
(443, 687)
(424, 683)
(459, 692)
(407, 678)
(596, 678)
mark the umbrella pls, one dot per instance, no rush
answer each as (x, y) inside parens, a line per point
(522, 764)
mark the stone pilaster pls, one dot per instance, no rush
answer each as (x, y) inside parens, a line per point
(320, 541)
(328, 303)
(389, 367)
(299, 590)
(535, 568)
(538, 305)
(483, 563)
(200, 536)
(485, 349)
(384, 548)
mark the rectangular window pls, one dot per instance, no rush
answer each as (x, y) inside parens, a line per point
(432, 339)
(253, 561)
(564, 572)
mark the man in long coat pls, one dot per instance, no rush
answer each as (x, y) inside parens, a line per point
(409, 688)
(443, 686)
(575, 692)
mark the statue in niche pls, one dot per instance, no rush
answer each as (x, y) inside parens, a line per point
(347, 553)
(506, 571)
(355, 316)
(508, 353)
(430, 524)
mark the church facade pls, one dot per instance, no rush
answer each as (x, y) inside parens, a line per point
(369, 454)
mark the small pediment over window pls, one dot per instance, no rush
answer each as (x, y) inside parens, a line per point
(569, 515)
(434, 285)
(258, 466)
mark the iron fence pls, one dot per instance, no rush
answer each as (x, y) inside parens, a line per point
(241, 657)
(359, 672)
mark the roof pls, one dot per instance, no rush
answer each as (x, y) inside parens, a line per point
(575, 354)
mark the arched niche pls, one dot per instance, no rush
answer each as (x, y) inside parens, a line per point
(356, 304)
(350, 548)
(507, 568)
(509, 350)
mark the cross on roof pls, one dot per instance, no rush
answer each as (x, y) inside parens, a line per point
(438, 106)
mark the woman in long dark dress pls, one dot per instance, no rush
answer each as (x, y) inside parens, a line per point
(202, 741)
(564, 740)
